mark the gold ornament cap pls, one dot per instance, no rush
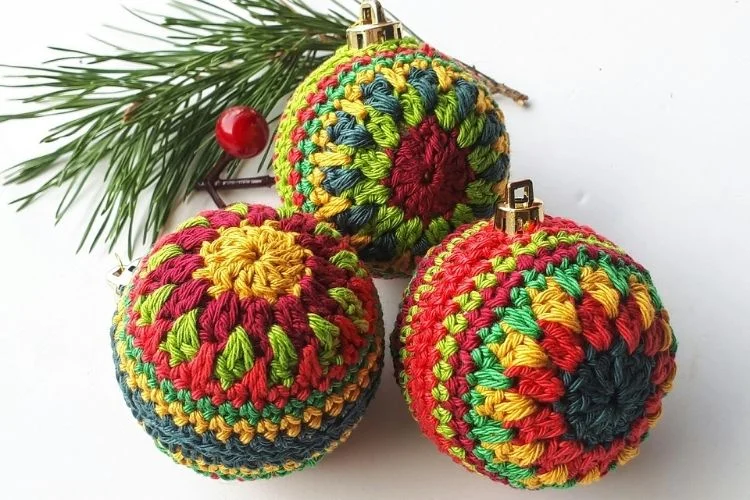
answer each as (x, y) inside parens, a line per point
(373, 26)
(121, 276)
(518, 208)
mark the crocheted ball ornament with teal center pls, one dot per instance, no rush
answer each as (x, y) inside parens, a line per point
(538, 359)
(249, 342)
(397, 145)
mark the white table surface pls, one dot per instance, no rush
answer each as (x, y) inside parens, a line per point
(640, 127)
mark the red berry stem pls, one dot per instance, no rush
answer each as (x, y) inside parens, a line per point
(209, 183)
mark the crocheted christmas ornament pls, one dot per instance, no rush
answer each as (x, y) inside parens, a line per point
(397, 145)
(249, 342)
(539, 359)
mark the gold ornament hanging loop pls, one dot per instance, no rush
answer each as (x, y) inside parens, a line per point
(515, 211)
(372, 27)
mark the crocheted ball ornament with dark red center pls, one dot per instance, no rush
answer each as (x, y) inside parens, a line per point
(397, 145)
(249, 342)
(538, 359)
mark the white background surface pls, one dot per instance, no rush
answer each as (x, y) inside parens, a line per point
(639, 128)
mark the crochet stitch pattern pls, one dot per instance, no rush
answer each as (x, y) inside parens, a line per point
(538, 359)
(249, 342)
(397, 145)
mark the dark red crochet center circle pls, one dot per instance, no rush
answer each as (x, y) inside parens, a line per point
(430, 172)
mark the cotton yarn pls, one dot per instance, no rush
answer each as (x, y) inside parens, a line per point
(249, 342)
(397, 145)
(538, 359)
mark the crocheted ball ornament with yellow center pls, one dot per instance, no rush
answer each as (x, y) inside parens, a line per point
(249, 342)
(538, 359)
(397, 145)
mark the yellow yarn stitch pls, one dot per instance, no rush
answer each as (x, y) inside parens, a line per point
(254, 261)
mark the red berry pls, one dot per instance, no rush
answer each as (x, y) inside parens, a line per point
(242, 132)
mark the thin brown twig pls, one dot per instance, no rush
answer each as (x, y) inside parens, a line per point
(493, 85)
(496, 87)
(213, 175)
(240, 183)
(212, 183)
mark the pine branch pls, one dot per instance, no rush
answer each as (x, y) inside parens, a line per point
(149, 115)
(147, 118)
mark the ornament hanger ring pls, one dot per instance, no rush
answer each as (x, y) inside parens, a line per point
(517, 211)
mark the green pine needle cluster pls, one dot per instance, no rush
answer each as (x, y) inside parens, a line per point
(147, 118)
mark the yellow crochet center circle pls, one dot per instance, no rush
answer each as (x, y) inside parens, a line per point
(254, 262)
